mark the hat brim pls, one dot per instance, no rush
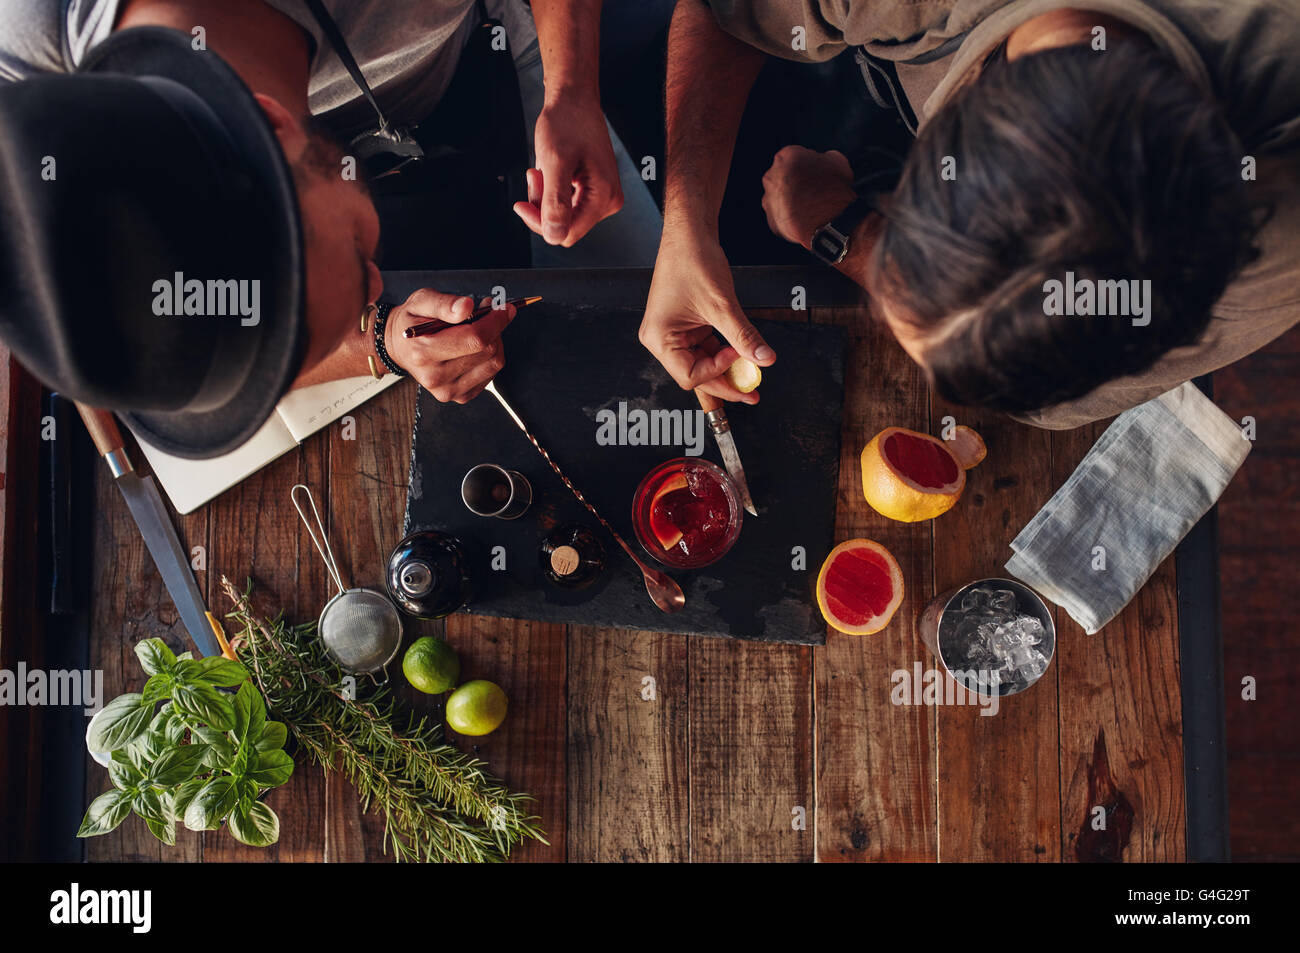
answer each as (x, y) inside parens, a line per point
(157, 51)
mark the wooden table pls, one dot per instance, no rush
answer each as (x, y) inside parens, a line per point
(740, 739)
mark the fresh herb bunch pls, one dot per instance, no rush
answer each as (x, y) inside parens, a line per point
(438, 803)
(204, 757)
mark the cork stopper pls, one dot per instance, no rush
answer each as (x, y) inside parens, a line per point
(565, 560)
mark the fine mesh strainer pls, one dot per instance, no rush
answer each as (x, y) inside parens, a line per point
(360, 628)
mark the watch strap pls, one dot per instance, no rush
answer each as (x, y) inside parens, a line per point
(830, 243)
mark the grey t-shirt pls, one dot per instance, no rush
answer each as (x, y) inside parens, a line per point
(407, 49)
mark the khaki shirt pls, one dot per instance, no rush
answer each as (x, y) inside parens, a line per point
(1241, 51)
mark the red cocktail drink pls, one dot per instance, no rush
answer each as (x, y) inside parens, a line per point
(687, 513)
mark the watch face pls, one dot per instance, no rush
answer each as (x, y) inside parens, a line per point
(829, 245)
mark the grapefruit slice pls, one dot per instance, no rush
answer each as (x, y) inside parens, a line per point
(744, 375)
(912, 476)
(860, 587)
(967, 447)
(663, 529)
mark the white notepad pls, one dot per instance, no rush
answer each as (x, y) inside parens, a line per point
(191, 483)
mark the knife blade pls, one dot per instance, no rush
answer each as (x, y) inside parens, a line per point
(715, 413)
(146, 506)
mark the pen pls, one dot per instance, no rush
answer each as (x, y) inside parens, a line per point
(434, 326)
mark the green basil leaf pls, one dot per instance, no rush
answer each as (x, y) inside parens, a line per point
(185, 657)
(257, 827)
(210, 736)
(122, 721)
(211, 804)
(123, 774)
(271, 769)
(146, 749)
(273, 737)
(219, 671)
(105, 813)
(256, 712)
(248, 791)
(148, 804)
(174, 726)
(177, 765)
(158, 688)
(207, 704)
(239, 766)
(165, 831)
(183, 794)
(219, 755)
(243, 705)
(155, 657)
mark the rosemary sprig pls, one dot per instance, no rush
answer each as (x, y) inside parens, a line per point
(439, 804)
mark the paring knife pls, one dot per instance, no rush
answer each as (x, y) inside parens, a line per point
(716, 413)
(141, 495)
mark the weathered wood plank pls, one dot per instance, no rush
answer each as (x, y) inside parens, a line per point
(368, 473)
(999, 791)
(628, 778)
(129, 603)
(256, 533)
(1123, 681)
(751, 758)
(529, 751)
(875, 760)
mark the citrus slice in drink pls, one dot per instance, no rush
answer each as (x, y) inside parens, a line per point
(912, 476)
(665, 532)
(860, 587)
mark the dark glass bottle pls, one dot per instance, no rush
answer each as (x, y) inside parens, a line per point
(428, 575)
(572, 556)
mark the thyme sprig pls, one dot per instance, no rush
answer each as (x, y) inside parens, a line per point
(439, 804)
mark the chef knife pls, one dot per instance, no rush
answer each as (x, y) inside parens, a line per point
(715, 412)
(141, 495)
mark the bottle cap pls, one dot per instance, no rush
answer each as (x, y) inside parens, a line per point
(565, 560)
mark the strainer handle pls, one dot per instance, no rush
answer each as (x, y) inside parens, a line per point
(322, 543)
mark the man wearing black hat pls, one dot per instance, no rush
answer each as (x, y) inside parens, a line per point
(178, 240)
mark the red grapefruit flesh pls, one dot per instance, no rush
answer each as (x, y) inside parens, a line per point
(860, 587)
(665, 532)
(924, 461)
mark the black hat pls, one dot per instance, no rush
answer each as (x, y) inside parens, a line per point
(150, 248)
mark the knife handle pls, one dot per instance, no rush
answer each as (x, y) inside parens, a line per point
(715, 411)
(106, 437)
(708, 401)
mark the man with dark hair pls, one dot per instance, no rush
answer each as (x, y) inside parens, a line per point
(146, 141)
(1100, 204)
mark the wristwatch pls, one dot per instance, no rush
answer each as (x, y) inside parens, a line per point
(830, 243)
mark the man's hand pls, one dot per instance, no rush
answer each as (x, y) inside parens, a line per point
(453, 364)
(803, 190)
(576, 182)
(691, 295)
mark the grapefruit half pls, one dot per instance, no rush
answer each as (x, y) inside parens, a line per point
(912, 476)
(860, 587)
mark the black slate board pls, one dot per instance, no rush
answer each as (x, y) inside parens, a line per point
(563, 365)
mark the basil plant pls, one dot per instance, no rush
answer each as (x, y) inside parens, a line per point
(202, 757)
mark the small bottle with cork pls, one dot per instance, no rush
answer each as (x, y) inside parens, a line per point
(572, 556)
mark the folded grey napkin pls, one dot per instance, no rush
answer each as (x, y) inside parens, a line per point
(1155, 471)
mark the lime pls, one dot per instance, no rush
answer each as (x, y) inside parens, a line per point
(431, 666)
(476, 708)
